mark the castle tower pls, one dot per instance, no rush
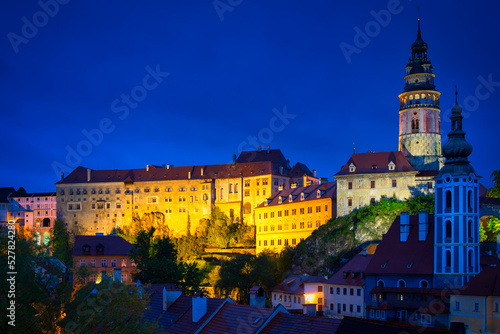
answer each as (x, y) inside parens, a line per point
(419, 113)
(456, 237)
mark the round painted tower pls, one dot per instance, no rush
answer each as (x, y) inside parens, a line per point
(419, 113)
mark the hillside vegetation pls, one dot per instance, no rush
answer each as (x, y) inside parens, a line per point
(333, 244)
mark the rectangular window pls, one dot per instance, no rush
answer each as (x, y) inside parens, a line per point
(82, 262)
(113, 263)
(272, 214)
(318, 208)
(351, 308)
(286, 213)
(358, 292)
(247, 193)
(497, 307)
(344, 307)
(349, 202)
(320, 288)
(92, 263)
(124, 278)
(331, 290)
(338, 291)
(247, 183)
(272, 242)
(349, 185)
(286, 242)
(294, 212)
(279, 213)
(279, 242)
(301, 224)
(358, 308)
(457, 306)
(265, 215)
(92, 278)
(476, 307)
(310, 209)
(338, 308)
(294, 241)
(124, 262)
(265, 242)
(331, 307)
(372, 184)
(394, 183)
(301, 211)
(351, 292)
(103, 263)
(345, 291)
(309, 224)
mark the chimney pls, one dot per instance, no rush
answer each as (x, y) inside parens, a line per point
(259, 148)
(423, 225)
(314, 172)
(304, 179)
(88, 174)
(189, 175)
(293, 185)
(147, 168)
(168, 166)
(169, 297)
(365, 252)
(62, 175)
(234, 160)
(202, 170)
(268, 148)
(310, 309)
(404, 226)
(199, 306)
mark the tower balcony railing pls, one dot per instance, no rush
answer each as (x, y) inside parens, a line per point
(418, 105)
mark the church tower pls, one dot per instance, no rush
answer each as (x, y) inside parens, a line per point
(456, 234)
(419, 113)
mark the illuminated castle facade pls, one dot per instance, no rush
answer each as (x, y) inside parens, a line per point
(419, 113)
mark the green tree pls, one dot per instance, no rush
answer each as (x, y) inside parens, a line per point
(495, 191)
(220, 231)
(237, 276)
(35, 290)
(191, 278)
(156, 260)
(60, 243)
(108, 307)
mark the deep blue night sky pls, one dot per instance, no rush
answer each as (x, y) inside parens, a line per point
(225, 79)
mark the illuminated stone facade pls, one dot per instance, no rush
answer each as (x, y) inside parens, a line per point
(367, 177)
(289, 216)
(173, 199)
(419, 112)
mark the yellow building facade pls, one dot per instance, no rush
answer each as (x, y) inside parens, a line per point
(289, 216)
(367, 177)
(173, 199)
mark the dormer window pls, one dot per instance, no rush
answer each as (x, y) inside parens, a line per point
(301, 196)
(99, 249)
(86, 250)
(280, 199)
(392, 166)
(374, 167)
(318, 193)
(290, 198)
(352, 168)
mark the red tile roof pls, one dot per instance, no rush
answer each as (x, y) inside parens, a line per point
(262, 155)
(235, 318)
(79, 175)
(488, 260)
(185, 324)
(355, 270)
(300, 170)
(402, 258)
(369, 163)
(113, 245)
(486, 283)
(294, 284)
(299, 324)
(351, 325)
(327, 190)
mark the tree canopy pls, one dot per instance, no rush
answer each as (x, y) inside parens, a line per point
(495, 191)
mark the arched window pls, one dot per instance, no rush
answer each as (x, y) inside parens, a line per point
(447, 233)
(471, 263)
(417, 99)
(415, 125)
(221, 193)
(247, 208)
(401, 284)
(469, 200)
(424, 284)
(448, 201)
(448, 260)
(380, 283)
(469, 230)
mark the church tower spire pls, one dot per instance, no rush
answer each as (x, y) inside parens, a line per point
(419, 112)
(456, 243)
